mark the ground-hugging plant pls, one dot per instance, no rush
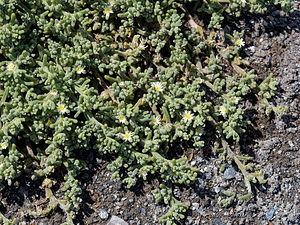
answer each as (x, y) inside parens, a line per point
(125, 78)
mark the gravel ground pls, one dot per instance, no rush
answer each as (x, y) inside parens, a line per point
(272, 45)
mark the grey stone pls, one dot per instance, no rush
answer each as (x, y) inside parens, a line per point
(208, 176)
(143, 211)
(114, 220)
(195, 206)
(260, 201)
(229, 173)
(201, 183)
(200, 210)
(270, 214)
(99, 161)
(292, 130)
(217, 189)
(103, 214)
(187, 203)
(199, 159)
(119, 185)
(218, 221)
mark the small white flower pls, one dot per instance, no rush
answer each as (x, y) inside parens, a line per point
(223, 110)
(122, 83)
(158, 86)
(143, 172)
(61, 108)
(57, 25)
(235, 100)
(122, 119)
(3, 145)
(53, 92)
(1, 164)
(156, 120)
(142, 45)
(199, 80)
(187, 116)
(107, 12)
(240, 42)
(200, 131)
(11, 66)
(79, 70)
(127, 136)
(252, 178)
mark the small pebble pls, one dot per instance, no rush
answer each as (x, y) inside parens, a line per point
(200, 210)
(270, 214)
(218, 221)
(103, 214)
(143, 211)
(229, 173)
(193, 163)
(217, 189)
(115, 220)
(195, 206)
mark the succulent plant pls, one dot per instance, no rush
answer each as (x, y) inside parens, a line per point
(125, 78)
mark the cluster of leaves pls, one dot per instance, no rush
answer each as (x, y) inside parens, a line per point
(125, 78)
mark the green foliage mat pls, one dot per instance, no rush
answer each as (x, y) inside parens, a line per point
(126, 78)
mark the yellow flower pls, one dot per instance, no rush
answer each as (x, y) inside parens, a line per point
(122, 119)
(127, 136)
(158, 86)
(3, 146)
(240, 42)
(61, 108)
(223, 110)
(107, 12)
(187, 116)
(53, 92)
(79, 70)
(11, 66)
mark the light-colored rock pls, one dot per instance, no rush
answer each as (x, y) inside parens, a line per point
(116, 221)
